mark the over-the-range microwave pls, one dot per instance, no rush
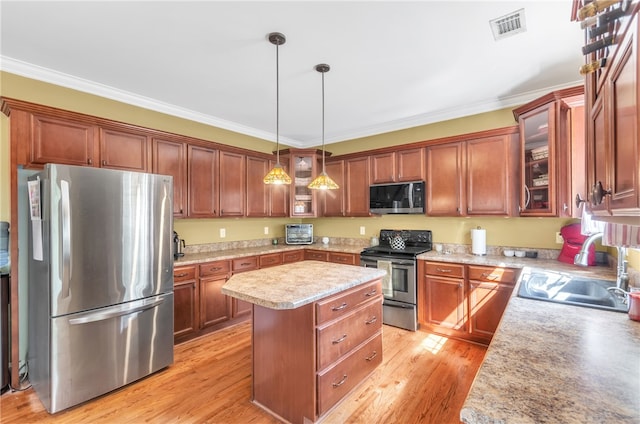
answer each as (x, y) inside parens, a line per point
(400, 198)
(298, 233)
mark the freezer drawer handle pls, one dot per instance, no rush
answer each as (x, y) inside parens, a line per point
(101, 316)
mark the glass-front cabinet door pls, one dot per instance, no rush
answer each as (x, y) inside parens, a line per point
(303, 169)
(538, 197)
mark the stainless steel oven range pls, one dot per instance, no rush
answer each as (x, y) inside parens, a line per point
(397, 253)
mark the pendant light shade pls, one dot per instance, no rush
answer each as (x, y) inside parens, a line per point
(277, 175)
(323, 181)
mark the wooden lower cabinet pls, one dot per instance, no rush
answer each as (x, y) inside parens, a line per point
(185, 301)
(463, 301)
(324, 350)
(215, 307)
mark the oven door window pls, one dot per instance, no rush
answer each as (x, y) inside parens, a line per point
(404, 283)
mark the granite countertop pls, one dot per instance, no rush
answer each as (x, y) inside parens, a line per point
(293, 285)
(201, 257)
(554, 363)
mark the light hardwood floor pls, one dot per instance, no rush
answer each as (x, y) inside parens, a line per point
(423, 379)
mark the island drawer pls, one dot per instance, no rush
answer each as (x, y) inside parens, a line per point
(340, 337)
(340, 305)
(445, 269)
(335, 382)
(186, 273)
(214, 268)
(494, 274)
(244, 264)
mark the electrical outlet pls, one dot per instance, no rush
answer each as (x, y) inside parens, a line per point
(362, 231)
(223, 233)
(266, 230)
(559, 238)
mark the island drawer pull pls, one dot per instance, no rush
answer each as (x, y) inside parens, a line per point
(372, 320)
(340, 340)
(338, 308)
(371, 293)
(443, 270)
(373, 355)
(341, 382)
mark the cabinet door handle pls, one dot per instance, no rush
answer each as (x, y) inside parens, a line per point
(339, 308)
(598, 193)
(528, 198)
(371, 293)
(373, 355)
(341, 382)
(443, 270)
(104, 162)
(372, 320)
(90, 161)
(340, 340)
(184, 274)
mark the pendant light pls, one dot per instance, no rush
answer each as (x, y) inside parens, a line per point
(277, 175)
(323, 181)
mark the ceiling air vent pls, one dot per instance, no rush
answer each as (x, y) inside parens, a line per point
(508, 25)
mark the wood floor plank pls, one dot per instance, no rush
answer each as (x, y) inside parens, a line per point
(424, 378)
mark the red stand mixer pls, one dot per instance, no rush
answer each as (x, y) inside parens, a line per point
(573, 241)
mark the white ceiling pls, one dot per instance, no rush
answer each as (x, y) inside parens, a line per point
(394, 64)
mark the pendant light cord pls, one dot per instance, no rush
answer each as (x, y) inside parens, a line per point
(277, 103)
(323, 121)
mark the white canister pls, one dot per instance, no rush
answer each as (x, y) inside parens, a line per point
(479, 241)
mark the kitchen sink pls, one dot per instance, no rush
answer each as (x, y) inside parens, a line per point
(568, 289)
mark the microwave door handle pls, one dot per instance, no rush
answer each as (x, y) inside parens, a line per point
(411, 195)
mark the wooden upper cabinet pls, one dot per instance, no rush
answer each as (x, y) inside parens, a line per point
(473, 177)
(613, 133)
(401, 165)
(552, 157)
(491, 176)
(624, 146)
(264, 200)
(61, 141)
(233, 183)
(356, 182)
(122, 150)
(170, 158)
(333, 200)
(257, 190)
(445, 179)
(203, 182)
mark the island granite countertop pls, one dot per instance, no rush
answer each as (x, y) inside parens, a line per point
(296, 284)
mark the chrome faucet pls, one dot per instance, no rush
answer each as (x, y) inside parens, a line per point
(582, 258)
(622, 278)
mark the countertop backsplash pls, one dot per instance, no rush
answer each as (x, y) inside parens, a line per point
(602, 258)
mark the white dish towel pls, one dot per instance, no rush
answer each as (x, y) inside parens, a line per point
(387, 281)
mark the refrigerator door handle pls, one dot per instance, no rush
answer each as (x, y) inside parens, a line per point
(117, 311)
(66, 237)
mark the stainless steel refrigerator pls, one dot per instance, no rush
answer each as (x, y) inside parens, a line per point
(100, 281)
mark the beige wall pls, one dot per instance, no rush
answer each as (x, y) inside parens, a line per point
(516, 232)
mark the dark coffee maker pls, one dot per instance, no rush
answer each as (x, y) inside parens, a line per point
(178, 245)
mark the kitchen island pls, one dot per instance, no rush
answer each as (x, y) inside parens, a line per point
(317, 333)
